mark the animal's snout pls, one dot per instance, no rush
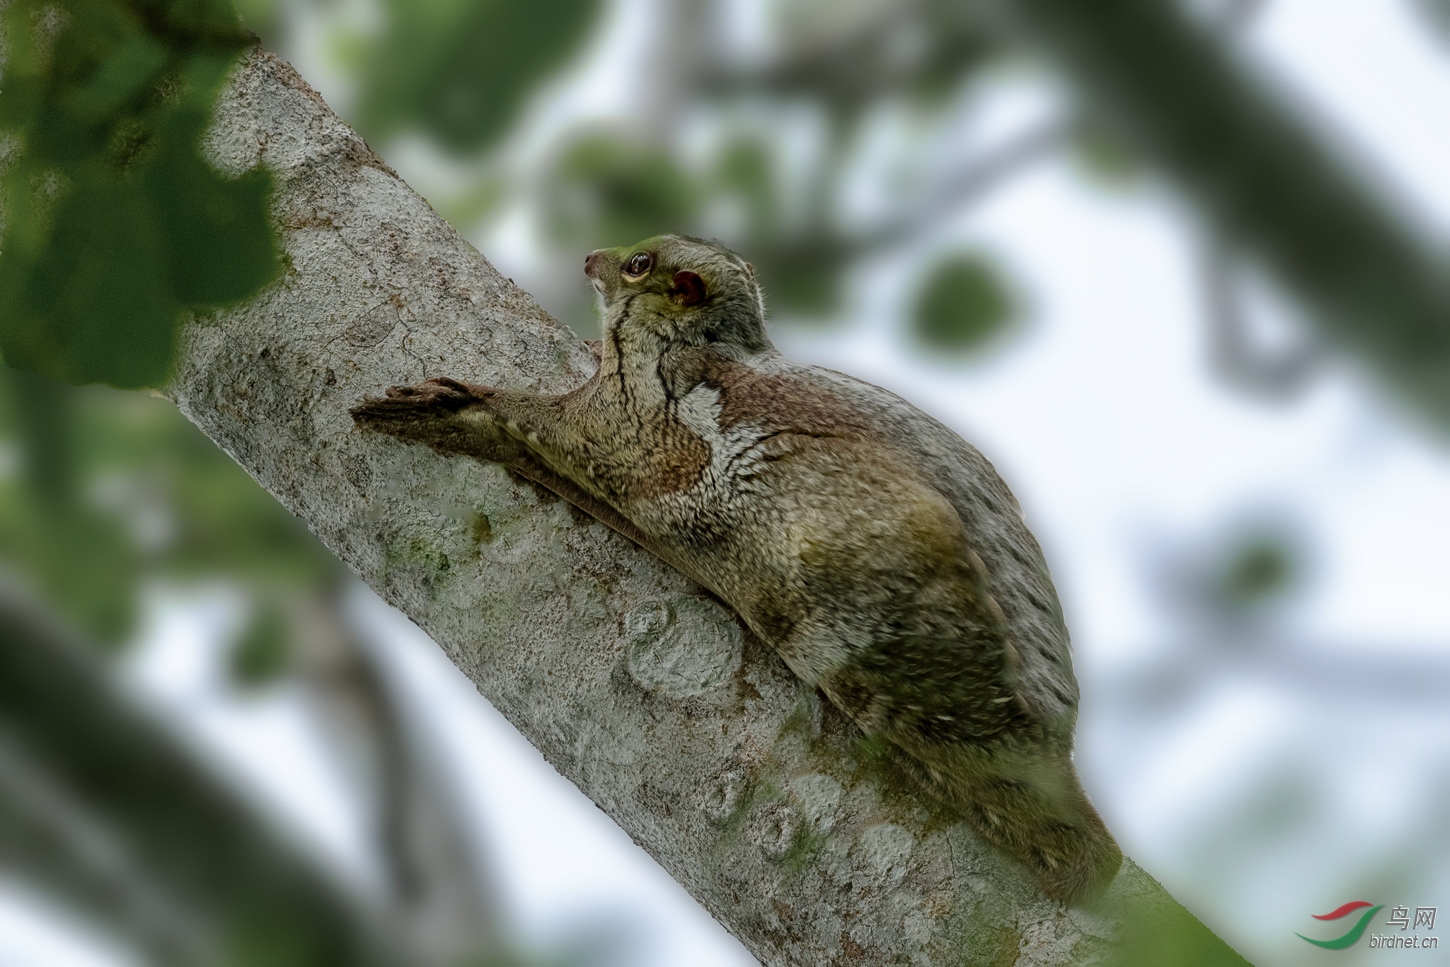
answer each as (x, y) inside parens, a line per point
(591, 263)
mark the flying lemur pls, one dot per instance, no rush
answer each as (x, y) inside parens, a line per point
(878, 552)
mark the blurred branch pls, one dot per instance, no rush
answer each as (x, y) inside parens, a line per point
(442, 897)
(1358, 673)
(984, 174)
(980, 177)
(884, 55)
(878, 60)
(755, 795)
(1264, 177)
(128, 823)
(1231, 350)
(61, 846)
(1238, 14)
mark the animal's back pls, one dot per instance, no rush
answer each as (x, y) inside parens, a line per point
(783, 399)
(1017, 574)
(954, 646)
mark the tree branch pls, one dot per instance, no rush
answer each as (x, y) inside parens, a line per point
(808, 844)
(1265, 179)
(107, 807)
(442, 900)
(1231, 351)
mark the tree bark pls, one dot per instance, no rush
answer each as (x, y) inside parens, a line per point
(807, 843)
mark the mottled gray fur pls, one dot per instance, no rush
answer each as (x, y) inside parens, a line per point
(879, 553)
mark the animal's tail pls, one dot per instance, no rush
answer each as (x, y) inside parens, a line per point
(1041, 815)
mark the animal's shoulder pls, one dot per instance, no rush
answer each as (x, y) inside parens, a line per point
(770, 392)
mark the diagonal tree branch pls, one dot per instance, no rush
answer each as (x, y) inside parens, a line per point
(442, 900)
(1265, 179)
(105, 806)
(809, 845)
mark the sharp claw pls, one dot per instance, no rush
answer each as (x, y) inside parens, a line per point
(368, 409)
(448, 383)
(416, 402)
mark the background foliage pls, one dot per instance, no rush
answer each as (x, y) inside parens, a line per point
(114, 224)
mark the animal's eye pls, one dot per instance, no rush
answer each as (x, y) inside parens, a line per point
(639, 264)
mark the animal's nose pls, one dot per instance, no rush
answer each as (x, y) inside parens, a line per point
(591, 262)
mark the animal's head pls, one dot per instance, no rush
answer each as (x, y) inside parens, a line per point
(679, 289)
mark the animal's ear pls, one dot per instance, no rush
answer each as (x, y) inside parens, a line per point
(689, 288)
(750, 270)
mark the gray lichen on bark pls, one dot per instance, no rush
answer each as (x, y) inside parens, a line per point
(808, 843)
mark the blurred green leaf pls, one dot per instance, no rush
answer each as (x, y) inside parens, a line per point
(113, 490)
(746, 170)
(115, 225)
(462, 70)
(962, 306)
(80, 558)
(126, 73)
(606, 191)
(1104, 157)
(263, 18)
(219, 243)
(189, 23)
(483, 198)
(261, 654)
(1260, 569)
(803, 280)
(86, 566)
(959, 47)
(93, 305)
